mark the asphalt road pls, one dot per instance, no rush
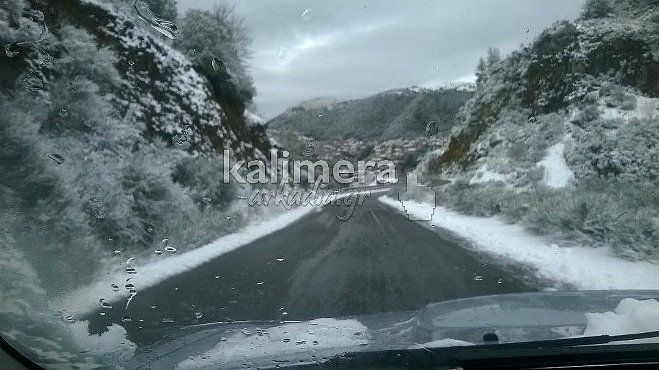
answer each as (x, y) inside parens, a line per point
(320, 266)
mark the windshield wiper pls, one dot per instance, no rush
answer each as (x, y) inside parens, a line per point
(583, 350)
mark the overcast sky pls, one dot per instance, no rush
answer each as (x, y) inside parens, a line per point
(304, 49)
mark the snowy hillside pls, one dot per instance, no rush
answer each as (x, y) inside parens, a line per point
(563, 135)
(398, 113)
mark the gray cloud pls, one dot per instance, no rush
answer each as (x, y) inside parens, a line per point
(351, 48)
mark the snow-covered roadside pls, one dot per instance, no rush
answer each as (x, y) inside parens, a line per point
(584, 268)
(86, 298)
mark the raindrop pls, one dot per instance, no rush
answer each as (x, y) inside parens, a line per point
(260, 282)
(56, 158)
(167, 320)
(170, 249)
(37, 16)
(12, 49)
(301, 342)
(306, 14)
(315, 342)
(126, 319)
(164, 241)
(217, 276)
(158, 251)
(286, 340)
(153, 307)
(104, 304)
(129, 286)
(99, 214)
(218, 65)
(117, 252)
(478, 278)
(198, 315)
(500, 281)
(69, 319)
(320, 116)
(102, 313)
(280, 260)
(131, 270)
(167, 28)
(115, 287)
(223, 339)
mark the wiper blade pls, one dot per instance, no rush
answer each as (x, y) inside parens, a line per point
(492, 355)
(579, 341)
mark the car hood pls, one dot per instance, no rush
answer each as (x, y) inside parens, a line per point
(511, 317)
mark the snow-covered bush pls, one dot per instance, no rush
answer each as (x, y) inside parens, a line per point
(599, 213)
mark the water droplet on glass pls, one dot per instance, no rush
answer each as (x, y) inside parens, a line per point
(117, 252)
(167, 28)
(12, 49)
(129, 286)
(218, 65)
(102, 313)
(37, 16)
(217, 276)
(299, 342)
(315, 342)
(131, 270)
(246, 331)
(306, 14)
(115, 287)
(158, 252)
(153, 307)
(198, 315)
(56, 158)
(280, 260)
(286, 340)
(104, 304)
(126, 319)
(500, 281)
(478, 278)
(170, 249)
(69, 319)
(223, 339)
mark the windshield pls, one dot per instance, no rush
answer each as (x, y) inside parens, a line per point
(217, 183)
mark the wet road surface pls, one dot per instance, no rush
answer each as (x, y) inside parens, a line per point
(319, 266)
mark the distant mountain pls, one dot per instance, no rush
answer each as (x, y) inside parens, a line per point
(400, 113)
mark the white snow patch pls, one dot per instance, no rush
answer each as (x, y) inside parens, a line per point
(441, 343)
(645, 108)
(484, 174)
(86, 298)
(557, 173)
(113, 342)
(631, 316)
(584, 268)
(283, 341)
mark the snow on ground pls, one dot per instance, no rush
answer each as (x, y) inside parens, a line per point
(86, 298)
(557, 173)
(631, 316)
(282, 341)
(484, 174)
(584, 268)
(645, 108)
